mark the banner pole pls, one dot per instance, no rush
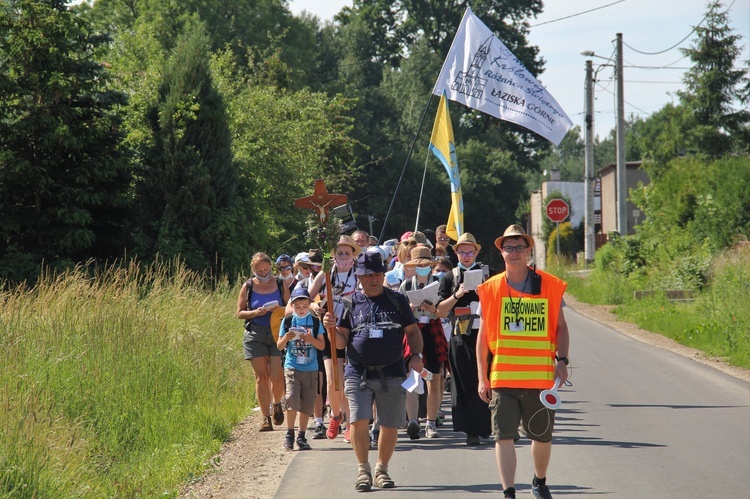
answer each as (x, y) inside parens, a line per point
(400, 178)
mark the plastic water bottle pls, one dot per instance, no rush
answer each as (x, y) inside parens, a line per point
(426, 375)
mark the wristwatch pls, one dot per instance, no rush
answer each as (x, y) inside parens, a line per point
(418, 355)
(563, 359)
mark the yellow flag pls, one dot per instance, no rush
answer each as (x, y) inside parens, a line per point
(443, 146)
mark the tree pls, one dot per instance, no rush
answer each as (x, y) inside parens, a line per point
(63, 177)
(713, 84)
(188, 180)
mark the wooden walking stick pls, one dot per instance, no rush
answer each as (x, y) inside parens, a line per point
(321, 201)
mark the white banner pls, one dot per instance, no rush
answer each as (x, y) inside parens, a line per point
(480, 72)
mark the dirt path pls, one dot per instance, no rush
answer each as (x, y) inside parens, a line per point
(251, 464)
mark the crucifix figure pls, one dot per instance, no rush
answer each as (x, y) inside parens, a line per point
(321, 201)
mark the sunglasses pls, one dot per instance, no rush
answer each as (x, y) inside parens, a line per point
(303, 266)
(444, 239)
(286, 267)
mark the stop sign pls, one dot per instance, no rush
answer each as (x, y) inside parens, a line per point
(558, 210)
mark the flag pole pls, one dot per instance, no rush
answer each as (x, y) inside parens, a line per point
(400, 178)
(421, 189)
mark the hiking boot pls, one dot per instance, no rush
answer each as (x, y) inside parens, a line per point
(540, 491)
(320, 431)
(413, 430)
(382, 480)
(347, 436)
(278, 414)
(266, 426)
(302, 443)
(334, 427)
(288, 442)
(364, 482)
(430, 431)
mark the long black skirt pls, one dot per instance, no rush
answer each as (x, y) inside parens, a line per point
(470, 414)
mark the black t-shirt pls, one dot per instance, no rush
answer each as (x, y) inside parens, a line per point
(447, 287)
(376, 333)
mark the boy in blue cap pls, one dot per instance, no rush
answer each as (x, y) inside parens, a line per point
(301, 334)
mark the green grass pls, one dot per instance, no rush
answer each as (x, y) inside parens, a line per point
(717, 322)
(117, 382)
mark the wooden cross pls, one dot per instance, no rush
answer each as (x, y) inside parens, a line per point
(321, 201)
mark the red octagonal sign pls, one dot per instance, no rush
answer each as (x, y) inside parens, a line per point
(558, 210)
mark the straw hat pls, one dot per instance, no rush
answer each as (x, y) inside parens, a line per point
(420, 256)
(466, 238)
(514, 231)
(349, 241)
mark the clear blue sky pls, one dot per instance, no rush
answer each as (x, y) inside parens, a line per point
(646, 26)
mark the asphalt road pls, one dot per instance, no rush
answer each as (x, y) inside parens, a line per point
(638, 422)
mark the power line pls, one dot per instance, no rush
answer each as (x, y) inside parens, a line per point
(575, 15)
(680, 42)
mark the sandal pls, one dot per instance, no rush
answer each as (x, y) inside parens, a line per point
(383, 481)
(364, 482)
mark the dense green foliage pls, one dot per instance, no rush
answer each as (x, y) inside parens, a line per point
(109, 393)
(63, 175)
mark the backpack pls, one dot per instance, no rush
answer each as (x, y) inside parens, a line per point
(279, 283)
(249, 282)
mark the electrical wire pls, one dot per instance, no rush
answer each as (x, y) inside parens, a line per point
(575, 15)
(680, 42)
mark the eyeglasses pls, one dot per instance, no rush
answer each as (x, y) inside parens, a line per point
(286, 267)
(467, 254)
(517, 249)
(444, 239)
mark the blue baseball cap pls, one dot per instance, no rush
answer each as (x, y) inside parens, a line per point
(299, 293)
(282, 258)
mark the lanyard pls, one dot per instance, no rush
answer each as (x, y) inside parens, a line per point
(516, 307)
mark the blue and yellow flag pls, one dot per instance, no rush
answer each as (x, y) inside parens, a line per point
(443, 146)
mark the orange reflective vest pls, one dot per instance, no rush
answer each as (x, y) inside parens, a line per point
(521, 331)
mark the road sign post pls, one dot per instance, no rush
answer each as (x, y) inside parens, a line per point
(557, 211)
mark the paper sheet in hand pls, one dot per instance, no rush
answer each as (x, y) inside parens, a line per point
(428, 293)
(472, 279)
(413, 382)
(271, 304)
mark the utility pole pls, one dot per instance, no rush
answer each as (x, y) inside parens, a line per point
(622, 189)
(589, 244)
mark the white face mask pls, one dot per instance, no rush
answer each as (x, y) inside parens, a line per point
(286, 278)
(265, 278)
(344, 265)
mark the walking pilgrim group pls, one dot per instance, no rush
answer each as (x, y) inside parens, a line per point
(494, 340)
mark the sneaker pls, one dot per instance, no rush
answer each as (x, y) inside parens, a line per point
(278, 414)
(374, 436)
(302, 443)
(334, 427)
(347, 436)
(540, 491)
(364, 482)
(413, 430)
(382, 480)
(320, 431)
(288, 442)
(430, 431)
(266, 426)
